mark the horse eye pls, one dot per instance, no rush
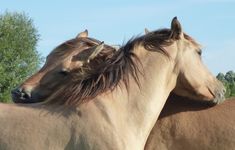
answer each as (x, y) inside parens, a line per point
(64, 72)
(199, 52)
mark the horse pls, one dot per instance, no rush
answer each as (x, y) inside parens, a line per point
(105, 99)
(184, 124)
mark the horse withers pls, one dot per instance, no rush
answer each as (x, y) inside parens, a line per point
(100, 98)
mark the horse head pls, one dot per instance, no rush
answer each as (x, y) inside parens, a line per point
(61, 64)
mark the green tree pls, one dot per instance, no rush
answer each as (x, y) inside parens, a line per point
(230, 76)
(18, 55)
(221, 77)
(229, 82)
(232, 90)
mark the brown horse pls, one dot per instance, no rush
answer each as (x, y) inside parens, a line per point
(184, 124)
(105, 98)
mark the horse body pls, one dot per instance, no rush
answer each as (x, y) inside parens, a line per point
(188, 125)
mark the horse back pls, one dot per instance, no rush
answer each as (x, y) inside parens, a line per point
(183, 125)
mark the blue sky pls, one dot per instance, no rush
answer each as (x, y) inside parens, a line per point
(210, 22)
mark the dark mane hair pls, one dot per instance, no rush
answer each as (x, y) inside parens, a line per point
(101, 74)
(105, 72)
(161, 38)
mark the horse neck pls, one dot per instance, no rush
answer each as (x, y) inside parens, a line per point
(134, 112)
(157, 83)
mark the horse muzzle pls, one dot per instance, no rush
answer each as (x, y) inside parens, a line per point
(20, 95)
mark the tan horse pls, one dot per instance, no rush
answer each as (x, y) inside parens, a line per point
(107, 99)
(184, 124)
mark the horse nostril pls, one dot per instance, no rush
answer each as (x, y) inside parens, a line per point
(20, 93)
(16, 92)
(221, 95)
(25, 95)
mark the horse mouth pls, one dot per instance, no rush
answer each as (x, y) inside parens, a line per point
(25, 99)
(22, 100)
(219, 98)
(218, 94)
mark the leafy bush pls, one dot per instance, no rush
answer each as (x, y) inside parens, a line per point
(229, 82)
(18, 55)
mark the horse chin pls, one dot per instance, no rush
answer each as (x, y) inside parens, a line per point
(216, 100)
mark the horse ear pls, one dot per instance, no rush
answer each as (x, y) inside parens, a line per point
(176, 29)
(83, 34)
(96, 51)
(146, 31)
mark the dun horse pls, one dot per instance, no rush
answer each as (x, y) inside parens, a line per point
(107, 99)
(184, 124)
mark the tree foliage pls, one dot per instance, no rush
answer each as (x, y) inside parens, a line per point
(229, 82)
(18, 55)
